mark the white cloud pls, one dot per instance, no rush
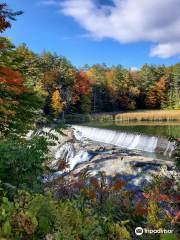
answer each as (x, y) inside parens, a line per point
(129, 21)
(165, 50)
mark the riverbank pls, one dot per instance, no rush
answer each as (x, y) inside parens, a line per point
(126, 116)
(149, 115)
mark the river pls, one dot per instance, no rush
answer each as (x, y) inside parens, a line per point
(151, 138)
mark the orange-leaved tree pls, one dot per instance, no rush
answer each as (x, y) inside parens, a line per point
(17, 103)
(157, 94)
(82, 90)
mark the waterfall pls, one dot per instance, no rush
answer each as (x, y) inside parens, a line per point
(68, 153)
(169, 149)
(65, 152)
(80, 157)
(124, 139)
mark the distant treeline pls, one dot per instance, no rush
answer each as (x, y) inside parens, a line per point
(92, 89)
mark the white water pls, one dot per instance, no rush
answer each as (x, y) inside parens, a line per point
(74, 156)
(67, 153)
(169, 149)
(70, 155)
(123, 139)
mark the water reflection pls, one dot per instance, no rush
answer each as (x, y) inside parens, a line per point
(163, 129)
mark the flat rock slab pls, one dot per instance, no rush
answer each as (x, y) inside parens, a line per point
(113, 164)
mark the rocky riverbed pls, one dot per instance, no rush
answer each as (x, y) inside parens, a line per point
(130, 165)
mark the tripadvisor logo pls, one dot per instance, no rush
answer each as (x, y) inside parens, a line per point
(139, 231)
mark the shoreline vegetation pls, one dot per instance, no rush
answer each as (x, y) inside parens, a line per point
(127, 116)
(152, 115)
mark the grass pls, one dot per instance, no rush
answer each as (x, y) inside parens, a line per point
(151, 115)
(102, 117)
(138, 116)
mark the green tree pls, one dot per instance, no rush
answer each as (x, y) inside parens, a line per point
(30, 66)
(176, 86)
(20, 159)
(98, 76)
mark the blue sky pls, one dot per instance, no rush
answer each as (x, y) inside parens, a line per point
(108, 32)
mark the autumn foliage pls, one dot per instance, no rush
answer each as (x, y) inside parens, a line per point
(11, 85)
(56, 102)
(11, 80)
(86, 207)
(82, 86)
(157, 94)
(16, 100)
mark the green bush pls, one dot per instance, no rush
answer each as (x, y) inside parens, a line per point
(75, 224)
(21, 161)
(36, 216)
(98, 210)
(27, 216)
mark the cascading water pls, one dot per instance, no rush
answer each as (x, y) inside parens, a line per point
(68, 153)
(169, 149)
(65, 152)
(73, 157)
(124, 140)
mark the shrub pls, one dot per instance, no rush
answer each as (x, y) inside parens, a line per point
(99, 210)
(27, 216)
(21, 161)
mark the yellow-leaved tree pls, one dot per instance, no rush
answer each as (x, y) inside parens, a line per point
(56, 102)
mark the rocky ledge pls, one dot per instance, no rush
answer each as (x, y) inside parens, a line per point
(130, 165)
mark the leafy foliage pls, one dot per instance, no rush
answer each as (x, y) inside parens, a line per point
(56, 102)
(19, 105)
(5, 15)
(99, 210)
(23, 161)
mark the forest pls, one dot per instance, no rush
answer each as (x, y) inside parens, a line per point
(38, 88)
(96, 88)
(91, 89)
